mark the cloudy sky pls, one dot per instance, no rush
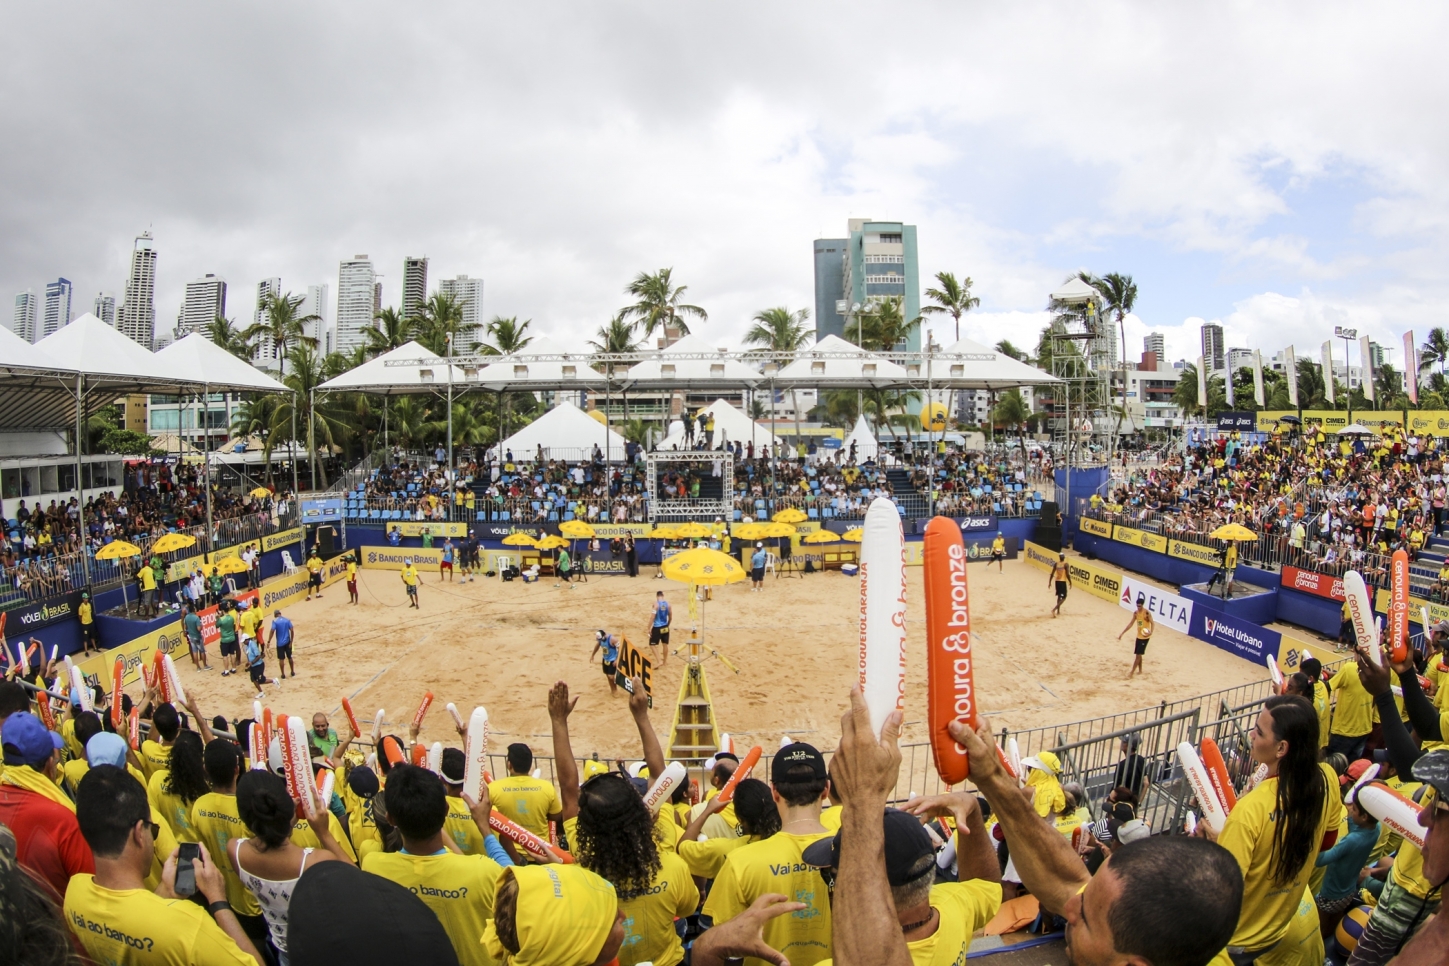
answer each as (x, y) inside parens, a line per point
(1281, 168)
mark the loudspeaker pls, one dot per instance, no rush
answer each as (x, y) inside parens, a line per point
(325, 540)
(1049, 511)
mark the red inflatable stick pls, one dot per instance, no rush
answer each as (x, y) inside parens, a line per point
(752, 758)
(351, 719)
(422, 710)
(160, 677)
(1399, 606)
(118, 680)
(951, 691)
(526, 840)
(133, 728)
(1212, 759)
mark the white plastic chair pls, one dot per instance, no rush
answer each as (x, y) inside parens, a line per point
(231, 585)
(287, 563)
(504, 562)
(770, 560)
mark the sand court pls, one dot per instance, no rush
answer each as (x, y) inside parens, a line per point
(502, 645)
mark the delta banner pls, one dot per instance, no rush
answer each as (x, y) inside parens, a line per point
(1249, 641)
(1145, 539)
(1086, 575)
(1196, 552)
(1312, 582)
(1099, 527)
(437, 528)
(32, 617)
(1429, 422)
(1237, 422)
(1166, 608)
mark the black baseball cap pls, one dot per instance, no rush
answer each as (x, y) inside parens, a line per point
(798, 753)
(906, 843)
(1433, 769)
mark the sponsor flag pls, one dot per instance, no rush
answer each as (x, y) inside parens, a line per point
(1202, 381)
(1290, 372)
(1258, 378)
(1365, 361)
(1411, 367)
(1328, 370)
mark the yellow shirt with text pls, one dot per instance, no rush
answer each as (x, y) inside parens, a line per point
(460, 827)
(215, 819)
(775, 865)
(527, 801)
(706, 857)
(964, 908)
(649, 935)
(458, 888)
(1353, 713)
(133, 927)
(172, 807)
(154, 756)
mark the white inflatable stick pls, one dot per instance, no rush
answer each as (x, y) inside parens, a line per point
(664, 786)
(882, 666)
(1202, 787)
(1361, 614)
(475, 750)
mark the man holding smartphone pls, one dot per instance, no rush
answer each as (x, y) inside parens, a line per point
(112, 914)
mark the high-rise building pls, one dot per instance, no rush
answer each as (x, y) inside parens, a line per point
(264, 353)
(315, 303)
(1240, 359)
(878, 261)
(1212, 346)
(414, 286)
(22, 323)
(138, 312)
(105, 308)
(357, 297)
(57, 314)
(1155, 343)
(1378, 358)
(469, 294)
(204, 302)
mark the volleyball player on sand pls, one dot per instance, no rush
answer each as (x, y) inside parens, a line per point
(1061, 576)
(1142, 619)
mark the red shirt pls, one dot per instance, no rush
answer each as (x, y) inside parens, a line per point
(48, 839)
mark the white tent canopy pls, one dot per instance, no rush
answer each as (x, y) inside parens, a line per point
(376, 376)
(1075, 290)
(834, 363)
(729, 425)
(215, 367)
(971, 365)
(18, 356)
(866, 447)
(672, 371)
(104, 355)
(567, 432)
(520, 372)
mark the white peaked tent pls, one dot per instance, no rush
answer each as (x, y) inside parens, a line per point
(104, 355)
(834, 363)
(519, 372)
(729, 425)
(1075, 290)
(971, 365)
(376, 376)
(672, 371)
(20, 357)
(566, 430)
(866, 447)
(216, 368)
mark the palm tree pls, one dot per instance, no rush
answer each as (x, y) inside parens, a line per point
(1010, 411)
(1184, 395)
(223, 333)
(885, 407)
(780, 330)
(661, 303)
(883, 326)
(305, 377)
(507, 335)
(1119, 295)
(1007, 349)
(1435, 350)
(953, 298)
(616, 336)
(392, 331)
(282, 326)
(255, 417)
(439, 322)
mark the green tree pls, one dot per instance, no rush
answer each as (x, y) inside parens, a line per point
(1119, 295)
(953, 298)
(127, 442)
(440, 320)
(883, 326)
(282, 325)
(1007, 349)
(837, 407)
(661, 303)
(1435, 350)
(616, 336)
(781, 330)
(508, 334)
(392, 331)
(1012, 411)
(887, 407)
(319, 426)
(1184, 396)
(223, 333)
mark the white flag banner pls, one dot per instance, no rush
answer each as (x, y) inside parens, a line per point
(1411, 367)
(1202, 381)
(1328, 370)
(1290, 372)
(1258, 378)
(1365, 359)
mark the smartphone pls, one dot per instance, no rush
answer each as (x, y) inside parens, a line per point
(186, 869)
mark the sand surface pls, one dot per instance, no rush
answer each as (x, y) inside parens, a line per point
(502, 645)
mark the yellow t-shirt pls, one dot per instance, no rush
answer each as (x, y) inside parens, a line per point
(458, 888)
(964, 907)
(830, 817)
(351, 570)
(706, 857)
(148, 578)
(410, 576)
(314, 565)
(1353, 712)
(526, 800)
(215, 819)
(998, 545)
(666, 830)
(775, 865)
(1302, 945)
(460, 827)
(1322, 705)
(361, 824)
(1268, 908)
(172, 808)
(649, 935)
(133, 926)
(304, 838)
(85, 612)
(154, 757)
(250, 620)
(1144, 624)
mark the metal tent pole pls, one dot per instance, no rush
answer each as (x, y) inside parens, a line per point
(210, 533)
(450, 409)
(293, 446)
(79, 466)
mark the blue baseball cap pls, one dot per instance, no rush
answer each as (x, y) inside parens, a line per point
(25, 740)
(106, 748)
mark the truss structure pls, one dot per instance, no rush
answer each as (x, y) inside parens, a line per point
(661, 506)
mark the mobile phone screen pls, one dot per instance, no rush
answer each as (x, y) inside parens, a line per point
(186, 869)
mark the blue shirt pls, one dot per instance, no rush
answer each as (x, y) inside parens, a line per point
(757, 561)
(254, 652)
(1348, 855)
(282, 627)
(394, 537)
(611, 650)
(662, 613)
(448, 552)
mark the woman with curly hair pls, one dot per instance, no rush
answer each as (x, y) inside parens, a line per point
(614, 836)
(758, 819)
(175, 788)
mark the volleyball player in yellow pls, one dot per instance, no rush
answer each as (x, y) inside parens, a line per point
(614, 836)
(1142, 620)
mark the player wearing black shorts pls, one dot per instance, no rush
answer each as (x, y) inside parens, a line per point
(659, 629)
(1142, 620)
(604, 641)
(1062, 576)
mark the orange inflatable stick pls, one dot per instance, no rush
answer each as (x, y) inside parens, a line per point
(1212, 759)
(950, 677)
(133, 728)
(351, 719)
(526, 840)
(1399, 606)
(118, 679)
(423, 710)
(420, 755)
(752, 758)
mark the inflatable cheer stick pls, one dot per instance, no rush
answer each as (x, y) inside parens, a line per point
(1201, 783)
(951, 692)
(882, 666)
(1369, 774)
(295, 764)
(257, 745)
(351, 718)
(159, 675)
(78, 684)
(1212, 759)
(1423, 622)
(435, 758)
(423, 710)
(1399, 606)
(420, 754)
(267, 728)
(664, 786)
(1012, 761)
(726, 743)
(326, 782)
(1275, 676)
(118, 679)
(1400, 814)
(377, 727)
(168, 669)
(1361, 614)
(133, 728)
(752, 758)
(526, 840)
(47, 716)
(475, 753)
(457, 718)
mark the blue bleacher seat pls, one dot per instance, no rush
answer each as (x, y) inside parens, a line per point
(738, 516)
(814, 514)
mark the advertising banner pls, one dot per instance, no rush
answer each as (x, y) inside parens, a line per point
(281, 538)
(1332, 420)
(977, 547)
(437, 528)
(318, 511)
(1378, 419)
(1166, 608)
(1437, 612)
(1086, 575)
(168, 639)
(1429, 422)
(1310, 582)
(20, 621)
(1145, 539)
(984, 522)
(1267, 419)
(392, 558)
(1196, 552)
(1233, 422)
(1099, 527)
(1249, 641)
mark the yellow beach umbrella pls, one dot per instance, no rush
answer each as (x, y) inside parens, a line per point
(790, 515)
(777, 530)
(551, 541)
(260, 493)
(821, 536)
(703, 566)
(854, 534)
(1233, 531)
(749, 531)
(519, 539)
(576, 528)
(693, 531)
(173, 541)
(231, 565)
(663, 533)
(117, 549)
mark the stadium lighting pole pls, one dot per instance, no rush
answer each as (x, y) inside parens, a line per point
(450, 408)
(1347, 335)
